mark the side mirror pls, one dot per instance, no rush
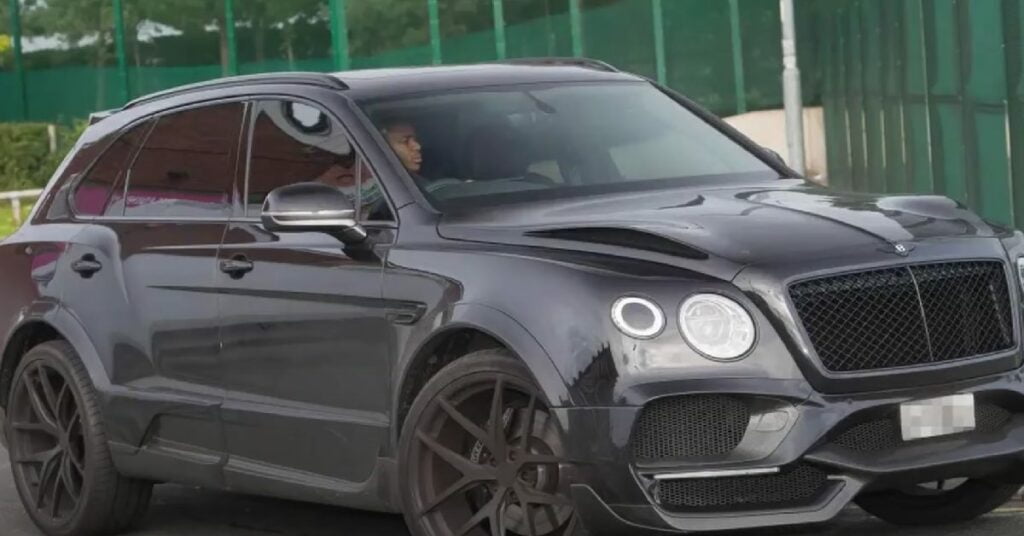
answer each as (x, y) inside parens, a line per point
(312, 207)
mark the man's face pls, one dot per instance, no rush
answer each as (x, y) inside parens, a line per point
(402, 137)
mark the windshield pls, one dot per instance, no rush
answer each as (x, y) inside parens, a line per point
(485, 147)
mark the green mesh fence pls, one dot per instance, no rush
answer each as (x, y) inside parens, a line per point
(723, 53)
(926, 96)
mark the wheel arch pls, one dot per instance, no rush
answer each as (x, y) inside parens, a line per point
(47, 322)
(474, 327)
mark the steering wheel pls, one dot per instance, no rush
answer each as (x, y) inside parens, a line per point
(441, 184)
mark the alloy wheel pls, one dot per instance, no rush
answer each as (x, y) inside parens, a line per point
(488, 459)
(47, 442)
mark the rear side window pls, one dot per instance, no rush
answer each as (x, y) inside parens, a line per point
(95, 192)
(293, 142)
(186, 167)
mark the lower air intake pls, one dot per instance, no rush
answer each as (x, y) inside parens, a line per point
(693, 426)
(795, 487)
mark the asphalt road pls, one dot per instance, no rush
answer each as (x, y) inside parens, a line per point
(180, 511)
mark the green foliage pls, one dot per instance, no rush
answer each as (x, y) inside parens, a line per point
(25, 158)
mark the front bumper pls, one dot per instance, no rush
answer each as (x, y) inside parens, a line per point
(617, 494)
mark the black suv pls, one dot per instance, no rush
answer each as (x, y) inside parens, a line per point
(539, 298)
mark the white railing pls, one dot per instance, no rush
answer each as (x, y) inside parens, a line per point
(15, 199)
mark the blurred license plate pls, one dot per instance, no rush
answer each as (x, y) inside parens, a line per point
(937, 417)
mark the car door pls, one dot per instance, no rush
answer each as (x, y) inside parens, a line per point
(145, 268)
(303, 327)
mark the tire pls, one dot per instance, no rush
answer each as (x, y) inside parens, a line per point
(969, 501)
(462, 475)
(58, 443)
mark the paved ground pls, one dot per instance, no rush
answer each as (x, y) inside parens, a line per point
(179, 511)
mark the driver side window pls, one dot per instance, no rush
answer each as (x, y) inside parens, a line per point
(293, 142)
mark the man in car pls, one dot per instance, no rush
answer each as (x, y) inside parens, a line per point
(401, 135)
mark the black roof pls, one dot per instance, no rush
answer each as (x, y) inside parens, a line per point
(386, 82)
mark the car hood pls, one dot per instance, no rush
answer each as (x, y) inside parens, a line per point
(740, 225)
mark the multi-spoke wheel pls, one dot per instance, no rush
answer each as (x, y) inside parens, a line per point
(938, 503)
(59, 457)
(482, 455)
(47, 442)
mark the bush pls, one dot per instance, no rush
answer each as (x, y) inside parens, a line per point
(25, 158)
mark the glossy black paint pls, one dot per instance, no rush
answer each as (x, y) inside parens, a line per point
(291, 377)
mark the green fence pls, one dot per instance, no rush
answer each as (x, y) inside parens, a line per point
(66, 58)
(927, 96)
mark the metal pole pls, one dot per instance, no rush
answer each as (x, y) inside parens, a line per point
(339, 35)
(792, 92)
(737, 57)
(658, 16)
(122, 55)
(500, 45)
(435, 32)
(19, 65)
(576, 26)
(229, 29)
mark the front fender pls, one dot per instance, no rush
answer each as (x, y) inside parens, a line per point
(516, 338)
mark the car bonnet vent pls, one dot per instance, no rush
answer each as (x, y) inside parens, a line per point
(628, 238)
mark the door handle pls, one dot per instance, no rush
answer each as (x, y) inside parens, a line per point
(236, 266)
(87, 266)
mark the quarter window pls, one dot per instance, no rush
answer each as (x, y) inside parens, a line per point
(186, 168)
(293, 142)
(93, 194)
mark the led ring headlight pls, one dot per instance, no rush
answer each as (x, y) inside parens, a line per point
(638, 317)
(716, 326)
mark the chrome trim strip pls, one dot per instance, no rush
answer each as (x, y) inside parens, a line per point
(728, 473)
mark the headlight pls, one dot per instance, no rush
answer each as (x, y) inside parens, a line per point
(638, 317)
(716, 326)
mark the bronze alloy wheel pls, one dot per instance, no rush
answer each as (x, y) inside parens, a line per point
(486, 458)
(58, 450)
(47, 441)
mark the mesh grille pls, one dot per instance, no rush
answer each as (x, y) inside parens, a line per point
(884, 434)
(910, 315)
(690, 427)
(798, 486)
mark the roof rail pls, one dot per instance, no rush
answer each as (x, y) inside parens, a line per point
(554, 60)
(305, 78)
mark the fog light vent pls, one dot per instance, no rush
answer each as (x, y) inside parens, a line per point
(684, 427)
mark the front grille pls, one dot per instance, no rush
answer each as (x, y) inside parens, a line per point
(799, 486)
(884, 434)
(907, 315)
(693, 426)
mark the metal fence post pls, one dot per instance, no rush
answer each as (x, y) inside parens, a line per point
(500, 46)
(739, 73)
(19, 65)
(658, 18)
(16, 210)
(792, 93)
(122, 58)
(435, 32)
(339, 35)
(229, 32)
(576, 26)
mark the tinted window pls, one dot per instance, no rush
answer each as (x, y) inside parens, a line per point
(468, 149)
(186, 167)
(294, 142)
(93, 194)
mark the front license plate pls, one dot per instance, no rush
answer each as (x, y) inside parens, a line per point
(937, 417)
